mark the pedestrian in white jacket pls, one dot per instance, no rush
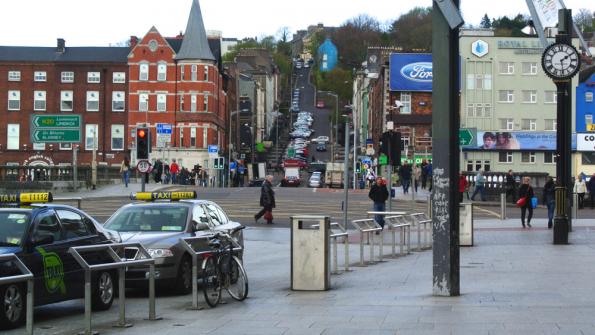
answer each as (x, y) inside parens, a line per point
(580, 188)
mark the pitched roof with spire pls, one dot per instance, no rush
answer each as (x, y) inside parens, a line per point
(195, 44)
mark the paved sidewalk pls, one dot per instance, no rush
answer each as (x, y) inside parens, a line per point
(513, 281)
(113, 190)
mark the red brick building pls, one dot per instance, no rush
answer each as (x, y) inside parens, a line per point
(175, 83)
(87, 81)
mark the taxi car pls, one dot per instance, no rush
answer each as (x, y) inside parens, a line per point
(158, 222)
(40, 234)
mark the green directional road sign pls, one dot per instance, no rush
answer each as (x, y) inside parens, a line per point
(56, 135)
(290, 152)
(383, 159)
(467, 137)
(56, 121)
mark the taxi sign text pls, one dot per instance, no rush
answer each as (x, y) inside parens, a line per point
(26, 198)
(163, 195)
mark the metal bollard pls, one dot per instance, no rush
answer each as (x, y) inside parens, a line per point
(574, 205)
(335, 258)
(122, 299)
(152, 310)
(88, 330)
(371, 237)
(381, 246)
(361, 248)
(29, 320)
(429, 206)
(194, 282)
(394, 241)
(346, 242)
(502, 206)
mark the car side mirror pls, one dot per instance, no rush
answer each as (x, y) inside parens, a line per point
(42, 240)
(200, 226)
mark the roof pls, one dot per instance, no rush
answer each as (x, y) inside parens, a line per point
(195, 44)
(71, 54)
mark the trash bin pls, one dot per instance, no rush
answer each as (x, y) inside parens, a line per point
(310, 256)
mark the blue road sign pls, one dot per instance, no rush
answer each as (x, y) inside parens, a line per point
(164, 128)
(213, 149)
(232, 165)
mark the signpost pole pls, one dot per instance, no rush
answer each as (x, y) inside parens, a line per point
(74, 167)
(142, 181)
(94, 162)
(346, 173)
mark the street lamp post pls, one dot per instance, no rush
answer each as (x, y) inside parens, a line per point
(336, 123)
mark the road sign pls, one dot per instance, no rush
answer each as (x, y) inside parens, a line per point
(143, 166)
(56, 135)
(451, 13)
(383, 159)
(213, 148)
(466, 137)
(164, 131)
(591, 127)
(164, 128)
(290, 152)
(56, 121)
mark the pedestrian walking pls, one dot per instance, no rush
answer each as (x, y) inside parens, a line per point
(549, 199)
(430, 172)
(378, 194)
(405, 174)
(267, 200)
(416, 176)
(480, 180)
(424, 174)
(125, 170)
(591, 189)
(580, 188)
(174, 169)
(526, 192)
(463, 184)
(158, 170)
(511, 186)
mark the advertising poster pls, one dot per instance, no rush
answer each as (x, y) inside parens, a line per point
(530, 140)
(411, 72)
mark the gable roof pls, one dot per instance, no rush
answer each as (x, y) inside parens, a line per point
(71, 54)
(195, 44)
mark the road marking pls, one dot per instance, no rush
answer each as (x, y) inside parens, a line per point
(487, 211)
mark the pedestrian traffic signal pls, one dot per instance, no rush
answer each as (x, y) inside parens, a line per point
(218, 163)
(143, 141)
(358, 167)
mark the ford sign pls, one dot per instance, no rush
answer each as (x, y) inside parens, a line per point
(420, 71)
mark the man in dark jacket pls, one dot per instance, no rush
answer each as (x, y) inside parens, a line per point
(591, 189)
(267, 200)
(511, 186)
(378, 193)
(405, 172)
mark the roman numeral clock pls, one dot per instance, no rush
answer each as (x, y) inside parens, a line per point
(560, 61)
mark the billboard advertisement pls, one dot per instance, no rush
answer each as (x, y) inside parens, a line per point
(411, 72)
(529, 140)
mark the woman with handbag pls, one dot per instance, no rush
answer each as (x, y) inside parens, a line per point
(267, 201)
(525, 201)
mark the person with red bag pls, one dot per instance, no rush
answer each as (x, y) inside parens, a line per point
(267, 201)
(463, 184)
(524, 202)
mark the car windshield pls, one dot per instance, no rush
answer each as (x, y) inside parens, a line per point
(12, 227)
(149, 219)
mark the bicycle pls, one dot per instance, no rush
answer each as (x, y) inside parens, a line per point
(221, 268)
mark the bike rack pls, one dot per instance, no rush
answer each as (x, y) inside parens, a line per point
(400, 222)
(337, 230)
(25, 275)
(121, 264)
(367, 226)
(187, 243)
(422, 219)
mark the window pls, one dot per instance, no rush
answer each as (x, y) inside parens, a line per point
(206, 103)
(65, 146)
(216, 214)
(193, 137)
(182, 72)
(162, 72)
(588, 158)
(161, 102)
(529, 124)
(479, 110)
(487, 82)
(205, 134)
(506, 96)
(486, 166)
(470, 81)
(529, 68)
(193, 72)
(506, 68)
(478, 165)
(73, 224)
(38, 146)
(12, 136)
(143, 102)
(199, 215)
(40, 76)
(119, 77)
(93, 77)
(406, 100)
(551, 97)
(67, 77)
(47, 224)
(549, 157)
(181, 102)
(469, 165)
(529, 96)
(505, 157)
(551, 124)
(487, 110)
(471, 110)
(118, 101)
(92, 101)
(181, 137)
(206, 73)
(193, 103)
(14, 75)
(66, 101)
(528, 157)
(117, 137)
(14, 100)
(39, 100)
(588, 96)
(91, 136)
(143, 72)
(507, 124)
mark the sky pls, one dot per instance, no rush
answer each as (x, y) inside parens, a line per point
(108, 22)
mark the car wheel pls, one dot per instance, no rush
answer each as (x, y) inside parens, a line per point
(103, 291)
(13, 306)
(184, 278)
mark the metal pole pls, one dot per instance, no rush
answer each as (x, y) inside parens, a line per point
(346, 242)
(194, 282)
(74, 166)
(390, 187)
(142, 181)
(335, 258)
(412, 165)
(88, 330)
(502, 206)
(122, 299)
(29, 321)
(152, 312)
(94, 162)
(361, 248)
(354, 144)
(346, 173)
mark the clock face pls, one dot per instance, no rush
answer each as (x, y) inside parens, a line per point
(560, 61)
(153, 45)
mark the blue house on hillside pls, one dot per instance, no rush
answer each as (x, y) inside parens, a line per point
(327, 54)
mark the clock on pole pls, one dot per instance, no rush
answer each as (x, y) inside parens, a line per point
(560, 61)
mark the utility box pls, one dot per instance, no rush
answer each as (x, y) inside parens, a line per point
(310, 256)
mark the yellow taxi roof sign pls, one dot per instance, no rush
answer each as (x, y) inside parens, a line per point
(152, 196)
(26, 198)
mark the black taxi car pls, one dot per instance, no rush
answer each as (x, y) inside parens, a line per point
(158, 221)
(40, 234)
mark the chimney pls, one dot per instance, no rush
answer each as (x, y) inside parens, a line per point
(61, 48)
(133, 41)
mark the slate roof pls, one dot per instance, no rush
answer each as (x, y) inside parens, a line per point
(195, 44)
(71, 55)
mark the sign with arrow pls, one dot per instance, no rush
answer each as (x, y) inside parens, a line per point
(467, 137)
(55, 128)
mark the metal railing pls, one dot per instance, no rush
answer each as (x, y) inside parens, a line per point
(400, 222)
(337, 231)
(187, 244)
(25, 275)
(420, 219)
(367, 227)
(121, 264)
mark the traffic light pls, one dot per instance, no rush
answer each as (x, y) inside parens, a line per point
(218, 163)
(358, 167)
(143, 142)
(391, 147)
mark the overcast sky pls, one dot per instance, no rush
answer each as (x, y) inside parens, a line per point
(105, 22)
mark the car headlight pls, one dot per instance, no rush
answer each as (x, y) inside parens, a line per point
(160, 253)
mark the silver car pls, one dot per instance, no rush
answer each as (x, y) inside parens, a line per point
(315, 180)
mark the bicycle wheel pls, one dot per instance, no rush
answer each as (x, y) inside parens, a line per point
(211, 284)
(237, 280)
